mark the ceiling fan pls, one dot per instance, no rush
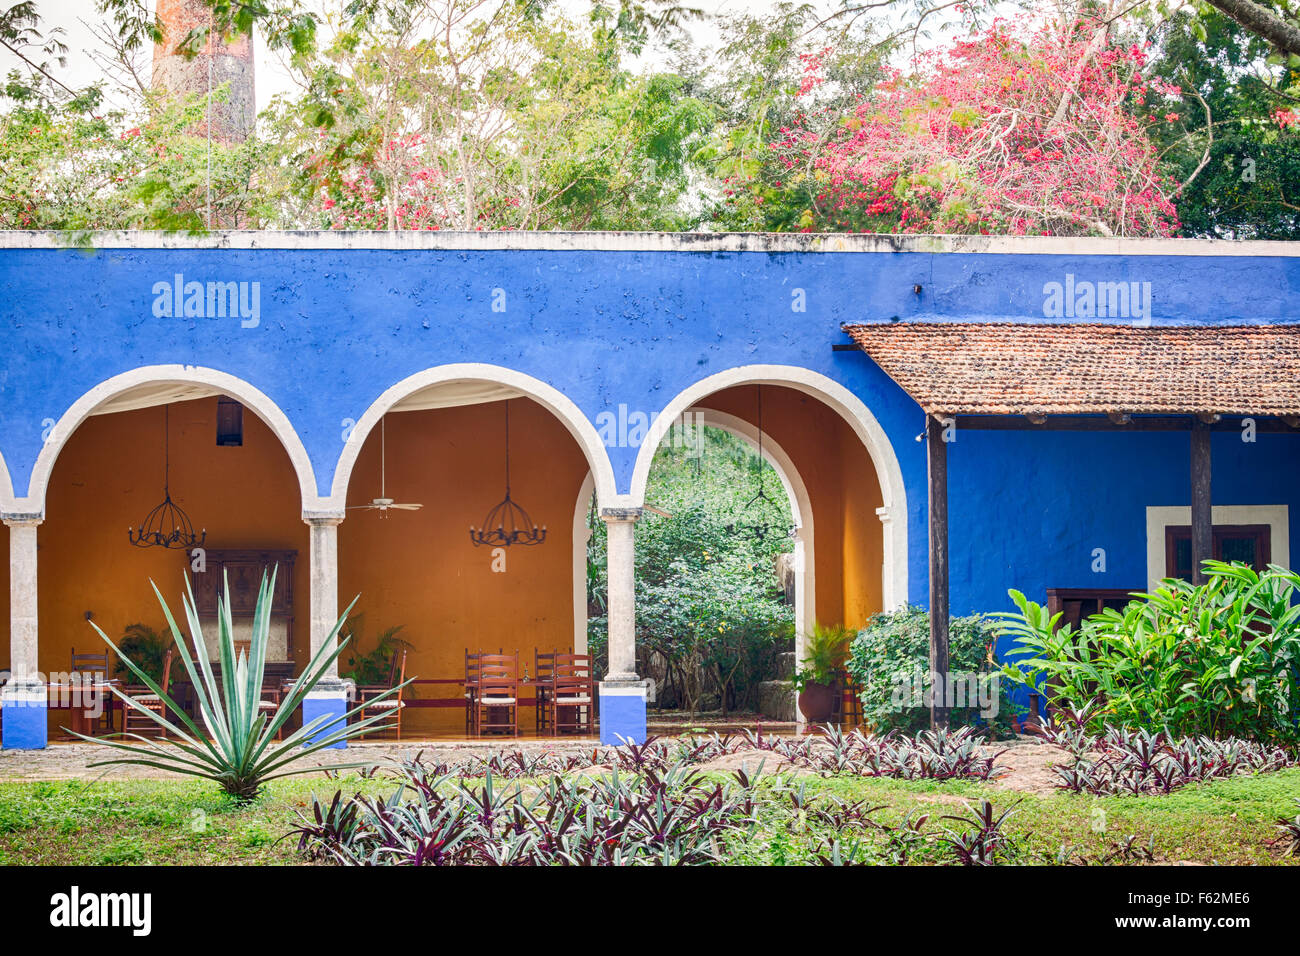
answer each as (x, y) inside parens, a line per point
(384, 504)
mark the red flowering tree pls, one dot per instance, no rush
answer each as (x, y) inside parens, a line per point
(1012, 132)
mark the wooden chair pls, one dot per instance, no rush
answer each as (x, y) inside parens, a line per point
(94, 664)
(134, 722)
(393, 702)
(544, 670)
(573, 696)
(496, 695)
(847, 709)
(471, 689)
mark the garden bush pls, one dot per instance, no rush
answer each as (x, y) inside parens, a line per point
(892, 653)
(1216, 660)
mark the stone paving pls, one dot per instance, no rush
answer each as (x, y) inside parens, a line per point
(1029, 761)
(72, 761)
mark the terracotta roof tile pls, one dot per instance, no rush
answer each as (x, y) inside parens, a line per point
(1010, 369)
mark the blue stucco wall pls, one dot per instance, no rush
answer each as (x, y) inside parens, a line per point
(606, 328)
(1032, 507)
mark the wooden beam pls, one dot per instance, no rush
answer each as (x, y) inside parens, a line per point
(937, 455)
(1202, 520)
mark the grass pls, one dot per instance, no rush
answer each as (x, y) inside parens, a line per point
(185, 822)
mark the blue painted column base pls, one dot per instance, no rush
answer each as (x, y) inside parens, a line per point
(24, 710)
(325, 703)
(622, 712)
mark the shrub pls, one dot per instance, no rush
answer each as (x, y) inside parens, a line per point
(236, 746)
(824, 652)
(1218, 659)
(145, 647)
(894, 649)
(1136, 762)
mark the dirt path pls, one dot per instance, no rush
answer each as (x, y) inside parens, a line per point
(1029, 761)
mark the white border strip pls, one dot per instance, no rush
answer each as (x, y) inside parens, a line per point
(550, 398)
(704, 242)
(245, 393)
(1161, 517)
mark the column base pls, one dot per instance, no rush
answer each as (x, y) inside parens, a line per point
(622, 712)
(24, 711)
(325, 701)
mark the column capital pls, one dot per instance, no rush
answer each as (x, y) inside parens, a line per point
(323, 519)
(18, 519)
(885, 514)
(621, 514)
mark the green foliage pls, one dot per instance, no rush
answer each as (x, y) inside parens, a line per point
(144, 646)
(236, 746)
(1249, 184)
(824, 652)
(71, 164)
(754, 82)
(710, 609)
(894, 648)
(373, 666)
(1219, 659)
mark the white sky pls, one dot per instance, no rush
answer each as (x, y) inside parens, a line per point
(271, 77)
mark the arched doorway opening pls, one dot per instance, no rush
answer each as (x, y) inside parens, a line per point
(110, 461)
(845, 487)
(441, 443)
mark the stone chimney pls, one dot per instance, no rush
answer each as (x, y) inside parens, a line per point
(231, 63)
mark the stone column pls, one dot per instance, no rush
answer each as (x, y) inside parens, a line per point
(328, 698)
(24, 699)
(622, 693)
(888, 599)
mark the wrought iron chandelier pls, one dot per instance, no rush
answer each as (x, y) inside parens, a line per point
(761, 526)
(167, 526)
(507, 523)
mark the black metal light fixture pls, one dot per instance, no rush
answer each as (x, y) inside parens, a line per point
(507, 523)
(761, 527)
(167, 526)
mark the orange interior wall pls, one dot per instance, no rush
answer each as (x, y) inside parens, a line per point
(109, 475)
(420, 569)
(863, 535)
(842, 485)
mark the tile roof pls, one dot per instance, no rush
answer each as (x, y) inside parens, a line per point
(1015, 369)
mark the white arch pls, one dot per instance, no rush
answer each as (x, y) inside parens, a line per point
(6, 489)
(572, 417)
(581, 535)
(246, 394)
(893, 514)
(805, 589)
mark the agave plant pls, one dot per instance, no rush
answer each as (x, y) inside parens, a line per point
(236, 744)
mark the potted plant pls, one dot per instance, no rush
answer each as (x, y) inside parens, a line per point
(817, 678)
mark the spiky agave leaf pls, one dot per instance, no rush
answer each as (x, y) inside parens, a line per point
(237, 746)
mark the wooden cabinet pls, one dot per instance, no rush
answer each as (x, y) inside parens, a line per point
(243, 569)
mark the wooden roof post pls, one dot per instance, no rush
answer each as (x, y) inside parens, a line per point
(937, 449)
(1202, 519)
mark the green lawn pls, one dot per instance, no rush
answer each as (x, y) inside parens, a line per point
(186, 822)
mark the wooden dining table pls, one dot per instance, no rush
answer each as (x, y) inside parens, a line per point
(70, 697)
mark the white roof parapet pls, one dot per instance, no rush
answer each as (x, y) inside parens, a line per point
(704, 242)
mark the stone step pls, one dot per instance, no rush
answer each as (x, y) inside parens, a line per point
(776, 699)
(785, 665)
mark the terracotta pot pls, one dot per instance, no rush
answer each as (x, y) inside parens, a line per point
(817, 702)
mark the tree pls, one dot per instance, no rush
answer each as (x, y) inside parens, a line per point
(474, 114)
(1250, 185)
(1016, 131)
(710, 608)
(756, 83)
